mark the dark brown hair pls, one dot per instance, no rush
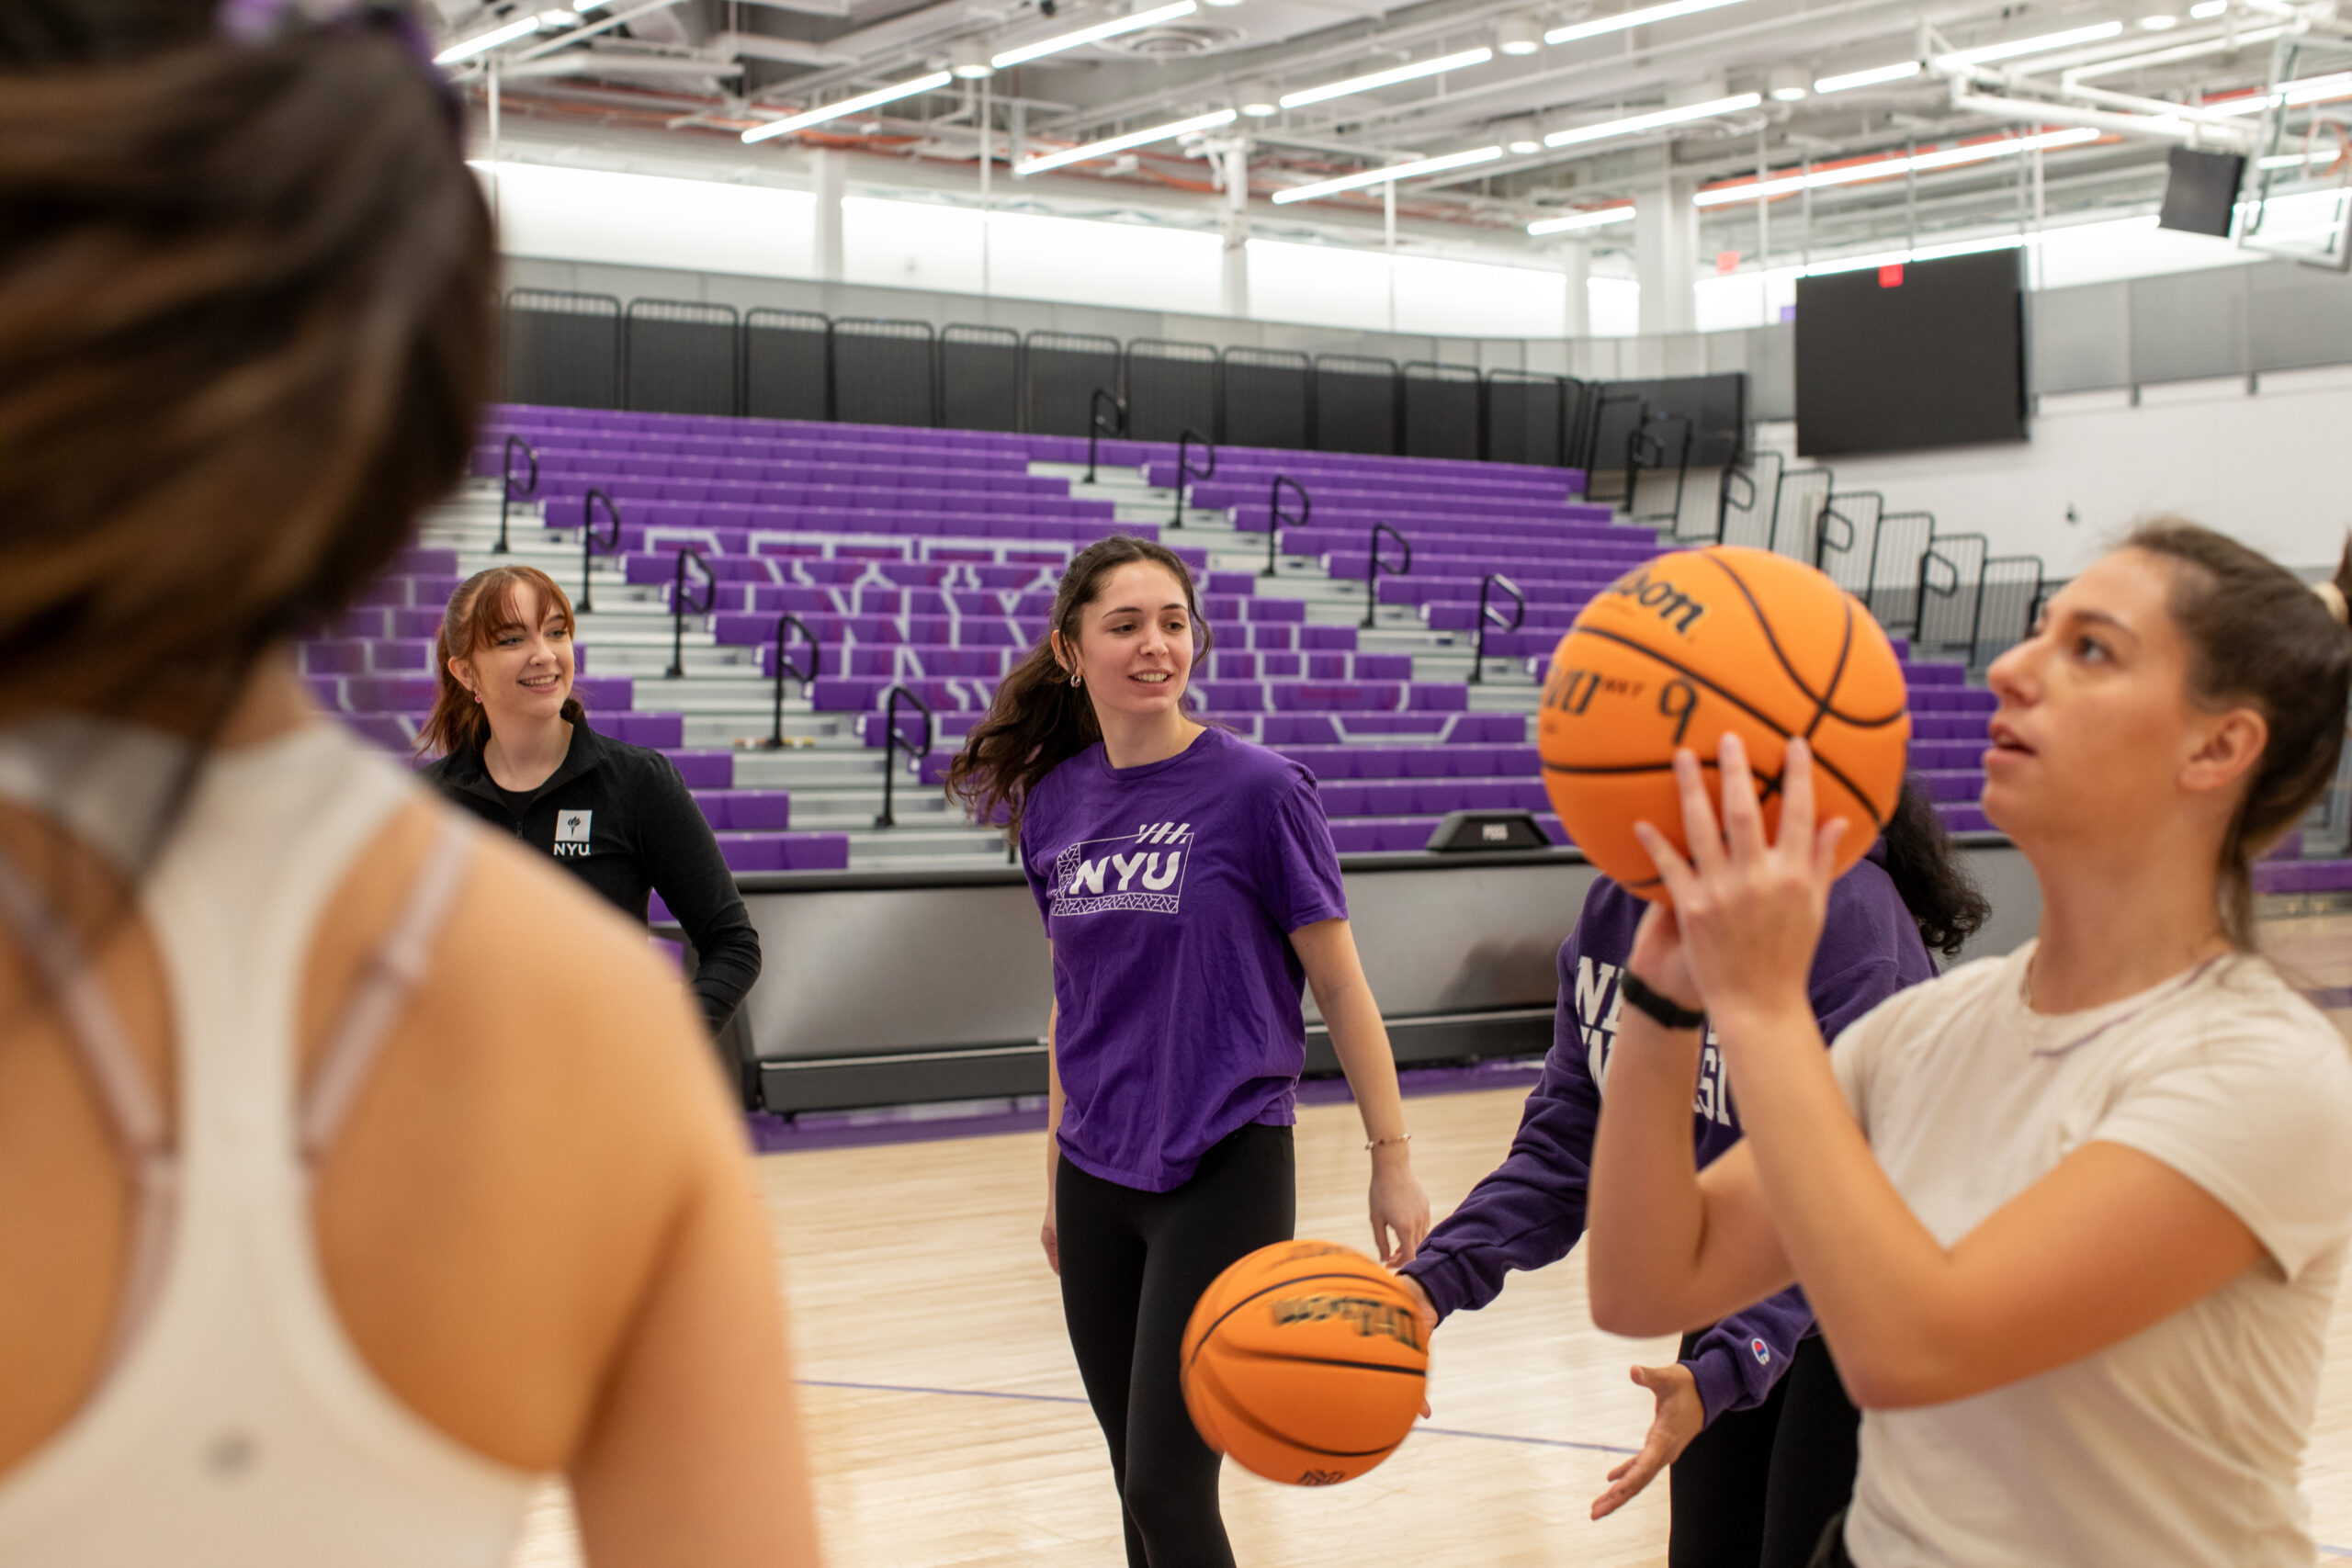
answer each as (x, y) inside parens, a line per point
(1037, 720)
(486, 603)
(1944, 903)
(245, 329)
(2258, 635)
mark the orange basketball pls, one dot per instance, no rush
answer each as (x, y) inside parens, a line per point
(1305, 1362)
(1694, 644)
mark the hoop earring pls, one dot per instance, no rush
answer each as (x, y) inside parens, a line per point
(1076, 679)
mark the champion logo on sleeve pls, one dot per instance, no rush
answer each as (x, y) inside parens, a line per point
(1761, 1351)
(571, 833)
(1143, 870)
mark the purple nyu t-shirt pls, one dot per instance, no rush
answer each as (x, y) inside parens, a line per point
(1170, 892)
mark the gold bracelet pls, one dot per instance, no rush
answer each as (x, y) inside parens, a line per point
(1399, 1138)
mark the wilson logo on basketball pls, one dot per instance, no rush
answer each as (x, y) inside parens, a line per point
(1670, 601)
(1367, 1316)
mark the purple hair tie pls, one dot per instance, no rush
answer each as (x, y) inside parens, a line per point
(256, 23)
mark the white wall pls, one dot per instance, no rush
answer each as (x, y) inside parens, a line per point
(2263, 468)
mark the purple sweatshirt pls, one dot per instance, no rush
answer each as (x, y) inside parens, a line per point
(1530, 1211)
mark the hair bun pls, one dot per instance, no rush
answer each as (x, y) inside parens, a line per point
(2332, 597)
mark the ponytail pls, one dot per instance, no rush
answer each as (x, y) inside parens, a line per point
(1038, 719)
(2259, 636)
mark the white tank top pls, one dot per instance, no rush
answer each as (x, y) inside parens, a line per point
(236, 1427)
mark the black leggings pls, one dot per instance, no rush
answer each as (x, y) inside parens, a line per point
(1757, 1487)
(1133, 1265)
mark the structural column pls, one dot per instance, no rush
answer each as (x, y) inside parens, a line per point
(1233, 278)
(1576, 283)
(828, 171)
(1666, 255)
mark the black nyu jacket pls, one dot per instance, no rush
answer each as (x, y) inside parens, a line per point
(620, 819)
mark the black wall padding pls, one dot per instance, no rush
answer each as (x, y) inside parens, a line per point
(1526, 418)
(1355, 404)
(1716, 407)
(1265, 398)
(979, 377)
(784, 364)
(563, 349)
(885, 373)
(1060, 371)
(1441, 410)
(1172, 386)
(681, 357)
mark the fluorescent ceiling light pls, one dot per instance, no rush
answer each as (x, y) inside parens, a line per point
(1633, 125)
(2040, 44)
(1903, 71)
(2206, 10)
(1570, 223)
(1635, 19)
(1887, 169)
(1112, 29)
(584, 6)
(1255, 98)
(2289, 95)
(1413, 73)
(1521, 34)
(1394, 171)
(874, 100)
(1111, 144)
(480, 42)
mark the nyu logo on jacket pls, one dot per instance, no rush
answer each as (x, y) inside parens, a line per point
(1599, 1000)
(571, 833)
(1143, 870)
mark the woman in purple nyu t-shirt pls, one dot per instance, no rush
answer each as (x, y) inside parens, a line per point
(1752, 1418)
(1189, 889)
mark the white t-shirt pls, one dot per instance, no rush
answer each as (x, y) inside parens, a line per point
(2178, 1446)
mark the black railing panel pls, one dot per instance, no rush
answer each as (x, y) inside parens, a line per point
(2008, 600)
(1440, 408)
(1058, 373)
(1845, 537)
(786, 368)
(679, 356)
(979, 377)
(563, 349)
(1613, 417)
(1355, 404)
(1660, 450)
(1952, 594)
(1903, 541)
(1745, 502)
(885, 372)
(1797, 500)
(1171, 388)
(1267, 392)
(1527, 418)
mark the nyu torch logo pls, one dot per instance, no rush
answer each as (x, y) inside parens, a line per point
(1144, 870)
(571, 833)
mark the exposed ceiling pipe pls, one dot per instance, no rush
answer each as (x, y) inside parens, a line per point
(2036, 112)
(2135, 104)
(787, 51)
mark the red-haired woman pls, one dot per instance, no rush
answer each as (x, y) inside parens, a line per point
(1189, 889)
(518, 753)
(357, 1170)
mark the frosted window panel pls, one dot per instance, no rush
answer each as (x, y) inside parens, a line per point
(1078, 261)
(1615, 306)
(1320, 285)
(910, 245)
(1728, 303)
(1459, 298)
(593, 215)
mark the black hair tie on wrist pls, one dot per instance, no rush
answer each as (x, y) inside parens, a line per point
(1662, 1010)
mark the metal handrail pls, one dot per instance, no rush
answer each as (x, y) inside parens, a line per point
(890, 748)
(678, 606)
(1592, 440)
(1374, 566)
(1095, 427)
(1184, 465)
(784, 624)
(507, 495)
(1518, 615)
(1723, 497)
(590, 545)
(1682, 468)
(1275, 518)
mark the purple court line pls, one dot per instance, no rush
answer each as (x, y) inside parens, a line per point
(1072, 1399)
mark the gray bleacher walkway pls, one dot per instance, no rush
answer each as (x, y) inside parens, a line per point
(834, 777)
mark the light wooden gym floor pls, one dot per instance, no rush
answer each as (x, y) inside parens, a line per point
(946, 1425)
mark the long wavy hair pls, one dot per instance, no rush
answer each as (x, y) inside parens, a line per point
(1037, 720)
(1944, 903)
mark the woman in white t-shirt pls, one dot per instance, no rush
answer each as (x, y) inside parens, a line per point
(2071, 1219)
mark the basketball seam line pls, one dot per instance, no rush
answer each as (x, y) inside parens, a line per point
(1228, 1406)
(1772, 641)
(1877, 821)
(1246, 1354)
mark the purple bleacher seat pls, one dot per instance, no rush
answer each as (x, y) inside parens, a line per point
(604, 692)
(746, 810)
(785, 852)
(662, 731)
(703, 770)
(2303, 876)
